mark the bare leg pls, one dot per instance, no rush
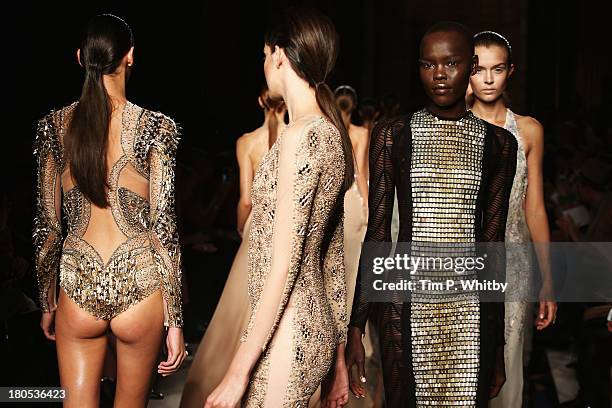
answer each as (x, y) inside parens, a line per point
(81, 346)
(139, 332)
(110, 362)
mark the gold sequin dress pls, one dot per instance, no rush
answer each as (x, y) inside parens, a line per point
(110, 259)
(296, 285)
(453, 180)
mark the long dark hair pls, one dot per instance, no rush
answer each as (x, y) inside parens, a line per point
(271, 108)
(310, 42)
(106, 41)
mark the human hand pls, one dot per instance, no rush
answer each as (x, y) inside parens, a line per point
(176, 352)
(47, 324)
(229, 392)
(335, 388)
(355, 355)
(547, 312)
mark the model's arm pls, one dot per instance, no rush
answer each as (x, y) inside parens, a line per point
(500, 177)
(361, 157)
(47, 231)
(380, 204)
(246, 182)
(334, 273)
(164, 235)
(535, 215)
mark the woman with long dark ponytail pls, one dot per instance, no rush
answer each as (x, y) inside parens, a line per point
(296, 334)
(108, 166)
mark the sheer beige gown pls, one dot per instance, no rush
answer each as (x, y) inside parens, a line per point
(229, 320)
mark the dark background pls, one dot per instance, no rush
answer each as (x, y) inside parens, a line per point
(201, 63)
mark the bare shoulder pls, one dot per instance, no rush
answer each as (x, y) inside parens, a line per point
(244, 139)
(248, 139)
(359, 133)
(531, 130)
(529, 123)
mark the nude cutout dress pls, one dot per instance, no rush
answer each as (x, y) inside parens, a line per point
(297, 284)
(106, 277)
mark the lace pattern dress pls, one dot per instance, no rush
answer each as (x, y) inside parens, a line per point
(297, 283)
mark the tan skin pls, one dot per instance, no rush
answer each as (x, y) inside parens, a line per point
(360, 140)
(488, 85)
(445, 65)
(301, 105)
(81, 338)
(250, 149)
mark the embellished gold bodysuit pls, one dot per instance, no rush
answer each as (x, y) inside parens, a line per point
(296, 284)
(111, 258)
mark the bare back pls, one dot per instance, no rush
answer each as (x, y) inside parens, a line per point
(111, 258)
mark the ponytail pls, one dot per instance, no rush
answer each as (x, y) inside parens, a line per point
(327, 103)
(271, 107)
(272, 128)
(310, 42)
(104, 45)
(87, 139)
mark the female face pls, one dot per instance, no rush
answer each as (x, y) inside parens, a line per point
(444, 66)
(492, 72)
(272, 70)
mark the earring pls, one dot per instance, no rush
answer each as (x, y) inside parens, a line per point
(129, 64)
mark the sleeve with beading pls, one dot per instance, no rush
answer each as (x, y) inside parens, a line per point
(334, 270)
(380, 199)
(501, 168)
(164, 235)
(47, 231)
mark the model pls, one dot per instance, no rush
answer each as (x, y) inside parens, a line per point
(297, 329)
(108, 166)
(453, 173)
(527, 218)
